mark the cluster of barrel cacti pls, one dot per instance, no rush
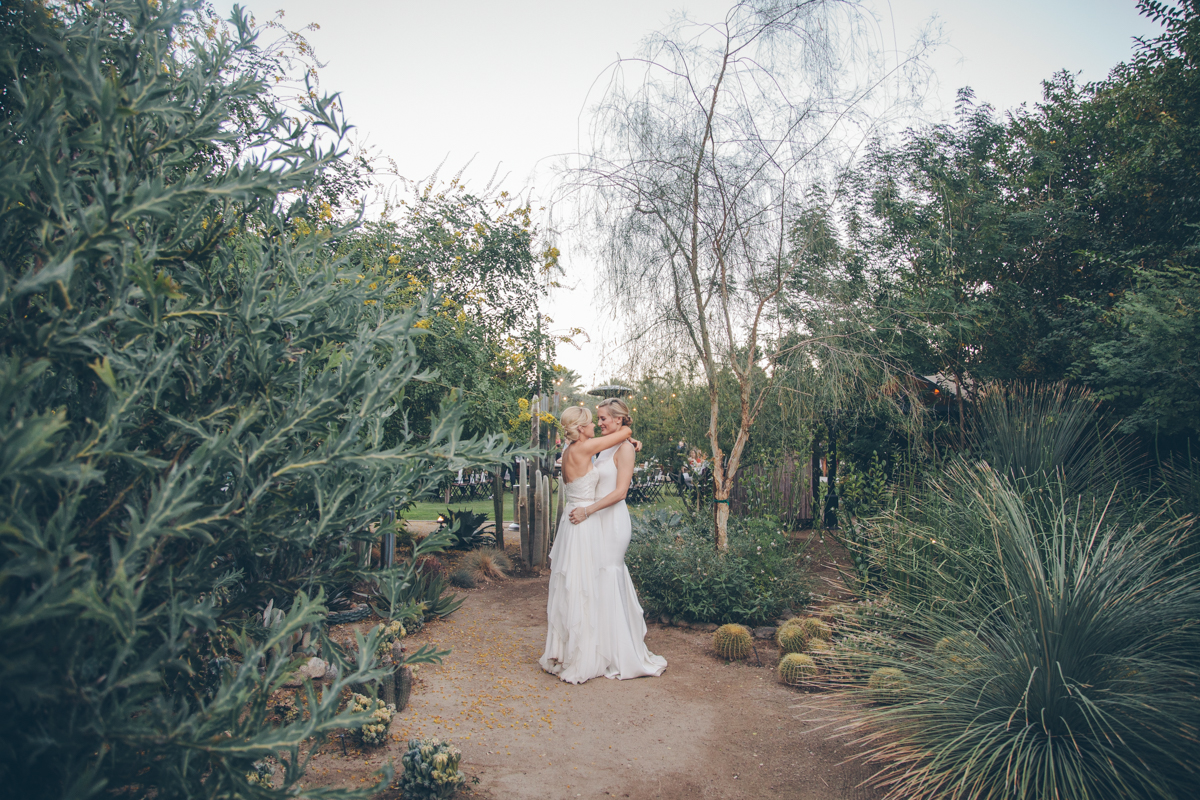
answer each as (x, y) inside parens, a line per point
(733, 642)
(960, 652)
(795, 635)
(429, 769)
(805, 642)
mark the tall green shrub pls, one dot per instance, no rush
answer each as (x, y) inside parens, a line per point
(192, 395)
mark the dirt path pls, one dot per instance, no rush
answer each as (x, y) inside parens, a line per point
(705, 729)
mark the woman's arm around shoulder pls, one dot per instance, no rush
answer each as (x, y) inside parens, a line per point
(592, 446)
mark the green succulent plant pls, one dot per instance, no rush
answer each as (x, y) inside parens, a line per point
(430, 770)
(790, 639)
(374, 731)
(887, 684)
(797, 668)
(814, 646)
(733, 642)
(815, 628)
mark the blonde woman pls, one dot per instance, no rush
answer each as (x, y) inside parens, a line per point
(622, 624)
(574, 617)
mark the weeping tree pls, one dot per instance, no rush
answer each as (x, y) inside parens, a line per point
(192, 399)
(705, 149)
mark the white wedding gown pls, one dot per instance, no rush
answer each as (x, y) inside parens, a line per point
(595, 624)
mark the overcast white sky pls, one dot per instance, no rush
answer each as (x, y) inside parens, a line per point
(505, 84)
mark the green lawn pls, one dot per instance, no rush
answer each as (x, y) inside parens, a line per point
(429, 510)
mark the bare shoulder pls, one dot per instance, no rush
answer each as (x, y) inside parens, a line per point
(625, 451)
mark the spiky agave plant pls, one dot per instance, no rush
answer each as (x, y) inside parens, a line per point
(1083, 673)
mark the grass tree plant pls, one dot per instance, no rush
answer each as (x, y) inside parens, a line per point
(1068, 670)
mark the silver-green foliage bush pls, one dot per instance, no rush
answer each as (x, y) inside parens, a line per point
(192, 395)
(677, 571)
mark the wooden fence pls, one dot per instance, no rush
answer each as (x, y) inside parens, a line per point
(783, 489)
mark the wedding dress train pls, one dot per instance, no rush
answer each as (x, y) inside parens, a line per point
(595, 624)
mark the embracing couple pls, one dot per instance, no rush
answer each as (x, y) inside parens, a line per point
(594, 621)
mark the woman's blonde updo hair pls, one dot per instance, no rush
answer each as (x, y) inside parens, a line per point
(573, 419)
(619, 410)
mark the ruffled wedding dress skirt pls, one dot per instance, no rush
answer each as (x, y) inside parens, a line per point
(595, 624)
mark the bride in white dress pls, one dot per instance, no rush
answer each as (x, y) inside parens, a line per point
(595, 624)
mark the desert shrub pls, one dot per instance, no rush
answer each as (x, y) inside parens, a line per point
(192, 395)
(1074, 680)
(463, 579)
(677, 571)
(487, 564)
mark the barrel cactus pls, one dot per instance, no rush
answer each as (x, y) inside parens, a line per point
(817, 646)
(814, 628)
(790, 639)
(862, 653)
(960, 651)
(887, 684)
(839, 614)
(797, 668)
(732, 642)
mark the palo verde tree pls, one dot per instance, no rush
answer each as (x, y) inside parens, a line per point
(704, 150)
(192, 400)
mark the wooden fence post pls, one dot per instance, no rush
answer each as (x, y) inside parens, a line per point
(498, 504)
